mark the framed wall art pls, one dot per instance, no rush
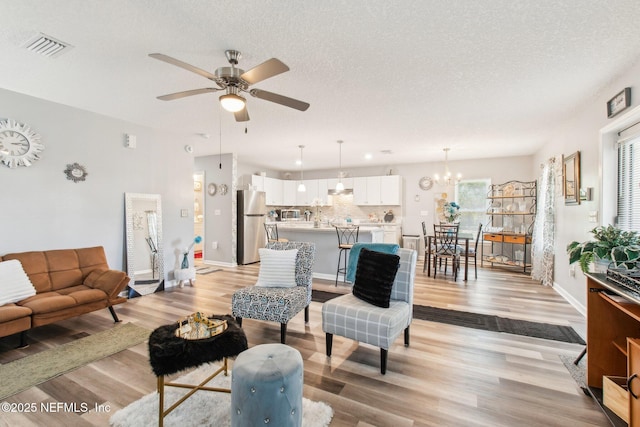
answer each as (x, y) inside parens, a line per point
(619, 103)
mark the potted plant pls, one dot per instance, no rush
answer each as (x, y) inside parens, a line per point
(611, 245)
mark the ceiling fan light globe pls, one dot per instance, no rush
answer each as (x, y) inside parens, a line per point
(232, 103)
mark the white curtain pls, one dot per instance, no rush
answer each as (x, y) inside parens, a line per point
(543, 230)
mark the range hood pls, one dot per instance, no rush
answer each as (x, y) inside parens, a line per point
(333, 192)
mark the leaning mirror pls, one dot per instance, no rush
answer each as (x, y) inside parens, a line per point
(145, 266)
(571, 179)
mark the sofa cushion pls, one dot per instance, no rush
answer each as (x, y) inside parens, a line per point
(11, 312)
(52, 302)
(14, 282)
(88, 295)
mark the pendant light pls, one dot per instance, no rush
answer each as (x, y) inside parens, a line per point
(340, 185)
(301, 187)
(447, 179)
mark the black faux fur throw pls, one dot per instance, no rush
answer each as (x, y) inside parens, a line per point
(169, 354)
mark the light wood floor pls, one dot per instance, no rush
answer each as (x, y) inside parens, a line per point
(449, 376)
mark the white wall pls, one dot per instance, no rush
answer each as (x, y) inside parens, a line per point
(41, 209)
(583, 132)
(220, 210)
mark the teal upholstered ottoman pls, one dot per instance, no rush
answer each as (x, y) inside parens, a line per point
(266, 387)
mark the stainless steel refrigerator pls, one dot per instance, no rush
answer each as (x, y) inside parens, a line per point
(252, 212)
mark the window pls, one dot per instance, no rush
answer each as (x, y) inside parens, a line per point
(628, 214)
(471, 195)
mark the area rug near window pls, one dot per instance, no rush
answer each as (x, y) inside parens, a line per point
(203, 408)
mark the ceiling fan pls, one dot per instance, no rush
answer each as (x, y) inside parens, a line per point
(233, 81)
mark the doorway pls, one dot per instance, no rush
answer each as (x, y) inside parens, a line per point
(198, 214)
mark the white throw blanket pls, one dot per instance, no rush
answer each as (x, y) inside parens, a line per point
(14, 282)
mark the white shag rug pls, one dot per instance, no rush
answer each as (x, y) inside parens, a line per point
(203, 408)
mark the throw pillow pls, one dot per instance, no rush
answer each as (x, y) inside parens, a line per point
(375, 275)
(16, 285)
(277, 268)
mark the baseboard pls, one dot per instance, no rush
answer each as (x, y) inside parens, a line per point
(220, 263)
(570, 299)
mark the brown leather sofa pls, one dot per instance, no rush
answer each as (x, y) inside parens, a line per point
(68, 283)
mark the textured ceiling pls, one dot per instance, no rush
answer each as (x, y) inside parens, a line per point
(486, 78)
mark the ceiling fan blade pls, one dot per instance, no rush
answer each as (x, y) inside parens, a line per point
(242, 115)
(267, 69)
(279, 99)
(184, 65)
(186, 93)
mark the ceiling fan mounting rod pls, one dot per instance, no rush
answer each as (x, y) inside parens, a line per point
(233, 56)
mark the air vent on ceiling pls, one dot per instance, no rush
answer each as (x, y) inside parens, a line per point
(47, 46)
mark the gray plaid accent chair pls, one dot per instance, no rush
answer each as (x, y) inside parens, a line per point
(353, 318)
(279, 304)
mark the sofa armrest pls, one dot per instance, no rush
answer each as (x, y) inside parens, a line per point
(112, 282)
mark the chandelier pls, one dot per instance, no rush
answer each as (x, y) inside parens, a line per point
(447, 179)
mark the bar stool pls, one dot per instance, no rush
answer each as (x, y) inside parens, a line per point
(347, 236)
(272, 233)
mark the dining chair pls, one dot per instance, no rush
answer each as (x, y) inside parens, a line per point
(445, 240)
(473, 252)
(428, 247)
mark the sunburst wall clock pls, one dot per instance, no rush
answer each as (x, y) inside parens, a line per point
(19, 144)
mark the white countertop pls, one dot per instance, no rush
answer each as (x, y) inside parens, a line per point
(308, 226)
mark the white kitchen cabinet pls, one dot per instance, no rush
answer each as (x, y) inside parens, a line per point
(273, 190)
(290, 193)
(323, 192)
(391, 190)
(373, 190)
(392, 233)
(306, 198)
(377, 190)
(257, 182)
(360, 191)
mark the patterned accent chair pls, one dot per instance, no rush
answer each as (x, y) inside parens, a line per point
(279, 304)
(353, 318)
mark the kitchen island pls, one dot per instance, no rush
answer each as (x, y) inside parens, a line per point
(326, 240)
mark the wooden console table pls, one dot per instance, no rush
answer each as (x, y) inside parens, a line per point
(613, 341)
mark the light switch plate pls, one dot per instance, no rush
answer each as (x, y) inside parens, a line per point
(184, 213)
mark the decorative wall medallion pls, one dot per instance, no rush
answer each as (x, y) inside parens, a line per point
(19, 144)
(223, 189)
(76, 172)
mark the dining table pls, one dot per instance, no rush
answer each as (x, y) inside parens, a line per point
(461, 236)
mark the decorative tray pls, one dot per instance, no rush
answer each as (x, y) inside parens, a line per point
(197, 326)
(629, 279)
